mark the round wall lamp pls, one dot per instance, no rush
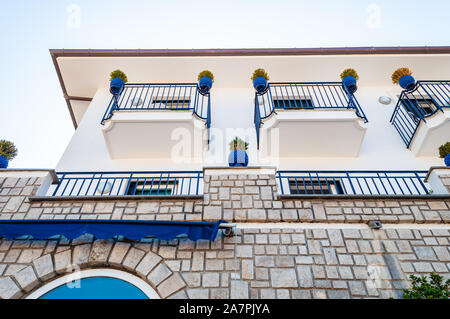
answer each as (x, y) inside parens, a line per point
(385, 100)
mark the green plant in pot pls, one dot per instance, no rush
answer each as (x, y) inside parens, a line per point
(8, 151)
(349, 78)
(403, 77)
(205, 81)
(444, 152)
(118, 79)
(238, 155)
(421, 288)
(260, 78)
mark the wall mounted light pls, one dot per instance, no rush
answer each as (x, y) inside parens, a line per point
(386, 100)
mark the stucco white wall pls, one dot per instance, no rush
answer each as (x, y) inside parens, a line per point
(231, 109)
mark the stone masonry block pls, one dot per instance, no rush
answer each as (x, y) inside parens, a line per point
(147, 263)
(44, 267)
(170, 285)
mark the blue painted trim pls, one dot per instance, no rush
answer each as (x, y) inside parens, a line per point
(153, 96)
(303, 95)
(179, 183)
(352, 182)
(134, 230)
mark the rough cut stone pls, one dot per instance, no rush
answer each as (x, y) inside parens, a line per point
(147, 263)
(63, 261)
(170, 285)
(212, 213)
(192, 279)
(239, 289)
(44, 267)
(9, 289)
(13, 204)
(210, 279)
(247, 269)
(133, 257)
(158, 274)
(81, 254)
(283, 278)
(118, 253)
(305, 276)
(100, 251)
(26, 278)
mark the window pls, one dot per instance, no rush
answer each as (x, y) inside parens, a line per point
(151, 187)
(171, 103)
(302, 103)
(417, 107)
(307, 186)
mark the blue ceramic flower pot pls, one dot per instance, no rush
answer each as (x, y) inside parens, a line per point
(238, 158)
(116, 86)
(3, 162)
(205, 84)
(260, 84)
(407, 82)
(350, 83)
(447, 160)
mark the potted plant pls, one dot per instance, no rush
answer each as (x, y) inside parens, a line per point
(260, 78)
(444, 152)
(205, 81)
(435, 288)
(349, 78)
(118, 80)
(238, 155)
(403, 78)
(7, 152)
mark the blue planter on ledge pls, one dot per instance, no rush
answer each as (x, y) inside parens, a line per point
(238, 158)
(260, 84)
(116, 86)
(350, 83)
(447, 160)
(205, 84)
(3, 162)
(407, 82)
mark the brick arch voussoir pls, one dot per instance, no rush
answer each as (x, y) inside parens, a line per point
(147, 265)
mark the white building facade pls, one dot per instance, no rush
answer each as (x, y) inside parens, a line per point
(340, 190)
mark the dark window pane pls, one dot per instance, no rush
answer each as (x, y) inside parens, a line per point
(419, 106)
(308, 186)
(293, 103)
(148, 188)
(172, 103)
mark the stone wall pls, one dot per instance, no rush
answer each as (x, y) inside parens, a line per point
(282, 247)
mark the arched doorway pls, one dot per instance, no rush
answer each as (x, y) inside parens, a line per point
(96, 284)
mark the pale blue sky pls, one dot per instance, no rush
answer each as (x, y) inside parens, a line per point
(33, 113)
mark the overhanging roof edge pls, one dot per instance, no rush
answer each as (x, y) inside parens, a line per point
(249, 52)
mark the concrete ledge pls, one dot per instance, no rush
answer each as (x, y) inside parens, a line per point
(432, 168)
(249, 170)
(111, 198)
(350, 197)
(25, 172)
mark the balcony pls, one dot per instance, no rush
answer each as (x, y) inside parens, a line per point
(171, 184)
(422, 117)
(147, 120)
(308, 114)
(359, 183)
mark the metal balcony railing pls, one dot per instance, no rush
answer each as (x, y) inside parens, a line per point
(352, 182)
(161, 96)
(413, 107)
(303, 95)
(167, 183)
